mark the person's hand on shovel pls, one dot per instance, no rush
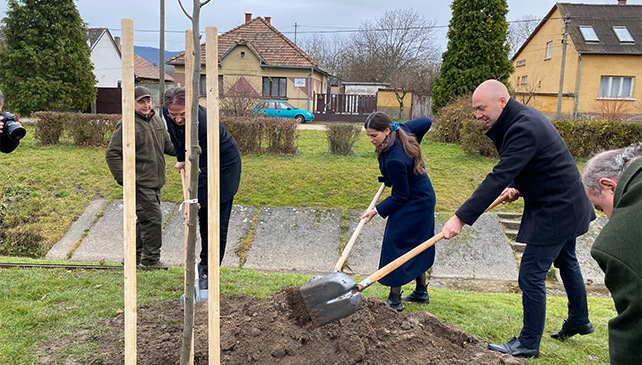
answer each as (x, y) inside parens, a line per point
(454, 225)
(368, 214)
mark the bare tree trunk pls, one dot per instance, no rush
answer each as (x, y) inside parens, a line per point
(194, 152)
(400, 101)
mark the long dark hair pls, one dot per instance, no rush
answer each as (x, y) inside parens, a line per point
(379, 121)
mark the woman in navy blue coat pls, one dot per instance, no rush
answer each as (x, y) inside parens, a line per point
(410, 207)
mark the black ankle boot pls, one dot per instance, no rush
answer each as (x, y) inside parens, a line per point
(394, 302)
(419, 295)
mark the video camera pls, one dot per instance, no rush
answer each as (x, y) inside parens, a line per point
(11, 127)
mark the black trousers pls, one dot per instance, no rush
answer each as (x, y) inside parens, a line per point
(225, 212)
(536, 261)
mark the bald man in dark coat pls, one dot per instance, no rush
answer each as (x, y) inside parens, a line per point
(536, 165)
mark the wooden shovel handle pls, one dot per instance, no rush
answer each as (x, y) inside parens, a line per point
(362, 223)
(377, 275)
(185, 196)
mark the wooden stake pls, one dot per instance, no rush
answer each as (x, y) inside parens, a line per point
(129, 188)
(189, 67)
(213, 197)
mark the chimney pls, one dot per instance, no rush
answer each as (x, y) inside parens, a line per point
(248, 17)
(117, 41)
(268, 19)
(621, 2)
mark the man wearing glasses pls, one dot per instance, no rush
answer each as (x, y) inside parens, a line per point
(230, 168)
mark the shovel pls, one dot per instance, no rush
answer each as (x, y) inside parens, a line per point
(199, 294)
(346, 250)
(337, 296)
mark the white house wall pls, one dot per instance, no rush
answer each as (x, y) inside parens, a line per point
(107, 63)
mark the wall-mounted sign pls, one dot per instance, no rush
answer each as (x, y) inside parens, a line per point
(299, 82)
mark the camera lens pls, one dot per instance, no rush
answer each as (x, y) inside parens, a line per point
(15, 131)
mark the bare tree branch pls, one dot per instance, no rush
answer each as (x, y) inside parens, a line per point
(205, 3)
(184, 11)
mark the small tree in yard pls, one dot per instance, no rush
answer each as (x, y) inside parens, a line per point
(477, 49)
(239, 97)
(45, 63)
(526, 89)
(193, 151)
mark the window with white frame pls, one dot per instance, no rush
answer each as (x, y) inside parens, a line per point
(521, 63)
(549, 50)
(524, 80)
(589, 33)
(616, 87)
(623, 34)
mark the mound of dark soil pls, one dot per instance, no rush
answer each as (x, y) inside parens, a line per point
(279, 332)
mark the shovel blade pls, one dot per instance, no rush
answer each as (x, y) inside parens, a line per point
(329, 298)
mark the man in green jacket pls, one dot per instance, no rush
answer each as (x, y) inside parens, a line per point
(152, 143)
(613, 182)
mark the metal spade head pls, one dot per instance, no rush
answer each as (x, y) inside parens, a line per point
(329, 298)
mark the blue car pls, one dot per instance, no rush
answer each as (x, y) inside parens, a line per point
(281, 109)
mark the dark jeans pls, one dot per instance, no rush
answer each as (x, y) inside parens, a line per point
(149, 225)
(225, 212)
(536, 261)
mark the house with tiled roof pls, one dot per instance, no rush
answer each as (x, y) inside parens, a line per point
(602, 65)
(107, 61)
(256, 58)
(105, 56)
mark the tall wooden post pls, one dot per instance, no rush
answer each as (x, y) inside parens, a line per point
(129, 188)
(189, 269)
(213, 197)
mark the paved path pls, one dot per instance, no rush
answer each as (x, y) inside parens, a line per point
(307, 240)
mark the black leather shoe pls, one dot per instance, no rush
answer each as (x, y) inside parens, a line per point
(570, 329)
(514, 348)
(418, 296)
(394, 302)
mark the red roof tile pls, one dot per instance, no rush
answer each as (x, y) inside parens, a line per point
(145, 70)
(270, 45)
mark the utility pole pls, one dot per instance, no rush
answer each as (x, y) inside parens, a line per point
(161, 62)
(295, 26)
(567, 21)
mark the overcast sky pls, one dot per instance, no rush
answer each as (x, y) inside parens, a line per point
(325, 16)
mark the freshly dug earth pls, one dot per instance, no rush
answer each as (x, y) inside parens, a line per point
(279, 331)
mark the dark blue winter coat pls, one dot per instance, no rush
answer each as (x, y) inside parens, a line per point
(410, 209)
(534, 159)
(230, 156)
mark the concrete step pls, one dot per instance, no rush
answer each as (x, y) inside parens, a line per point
(511, 234)
(510, 223)
(509, 215)
(518, 247)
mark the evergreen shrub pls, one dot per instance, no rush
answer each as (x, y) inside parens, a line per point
(450, 117)
(585, 138)
(473, 140)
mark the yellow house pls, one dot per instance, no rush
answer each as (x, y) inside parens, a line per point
(256, 61)
(603, 62)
